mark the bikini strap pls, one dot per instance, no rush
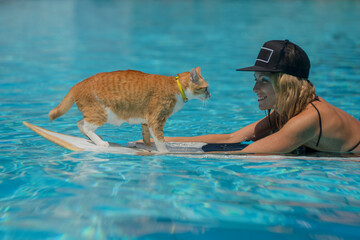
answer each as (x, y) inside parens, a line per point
(317, 144)
(354, 147)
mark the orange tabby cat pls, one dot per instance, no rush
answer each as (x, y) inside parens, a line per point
(134, 97)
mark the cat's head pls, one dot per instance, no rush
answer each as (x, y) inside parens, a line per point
(198, 88)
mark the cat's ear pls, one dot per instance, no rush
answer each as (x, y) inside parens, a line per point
(194, 76)
(198, 70)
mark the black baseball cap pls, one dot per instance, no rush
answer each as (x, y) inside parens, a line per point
(281, 56)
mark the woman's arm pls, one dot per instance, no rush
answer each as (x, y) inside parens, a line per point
(251, 132)
(296, 132)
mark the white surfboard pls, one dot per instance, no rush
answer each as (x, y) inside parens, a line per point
(81, 144)
(194, 148)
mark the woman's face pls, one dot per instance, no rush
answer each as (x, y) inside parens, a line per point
(264, 90)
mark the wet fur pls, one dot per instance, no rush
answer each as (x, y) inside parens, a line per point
(131, 96)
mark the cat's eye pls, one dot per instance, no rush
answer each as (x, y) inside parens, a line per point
(201, 90)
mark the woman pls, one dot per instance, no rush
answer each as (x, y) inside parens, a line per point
(298, 117)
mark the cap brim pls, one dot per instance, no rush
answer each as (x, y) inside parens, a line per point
(258, 69)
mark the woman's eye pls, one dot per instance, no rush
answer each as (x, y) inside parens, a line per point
(262, 79)
(265, 80)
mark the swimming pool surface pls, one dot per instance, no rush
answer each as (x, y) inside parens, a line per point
(47, 192)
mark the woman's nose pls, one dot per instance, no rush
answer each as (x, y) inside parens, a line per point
(256, 87)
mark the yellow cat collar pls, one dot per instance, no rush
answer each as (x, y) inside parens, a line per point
(185, 99)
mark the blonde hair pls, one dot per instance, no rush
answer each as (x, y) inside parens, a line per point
(293, 94)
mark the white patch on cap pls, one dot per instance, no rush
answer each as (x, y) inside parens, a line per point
(270, 54)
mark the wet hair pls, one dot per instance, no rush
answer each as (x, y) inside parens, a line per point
(293, 94)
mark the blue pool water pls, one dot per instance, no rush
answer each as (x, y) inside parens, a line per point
(47, 192)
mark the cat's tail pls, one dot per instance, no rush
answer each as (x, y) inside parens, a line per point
(62, 108)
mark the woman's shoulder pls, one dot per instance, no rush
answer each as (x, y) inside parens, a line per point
(331, 112)
(302, 126)
(322, 109)
(332, 126)
(319, 113)
(309, 115)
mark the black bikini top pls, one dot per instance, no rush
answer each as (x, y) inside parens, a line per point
(317, 99)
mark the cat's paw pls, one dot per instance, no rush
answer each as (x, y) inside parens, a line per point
(146, 153)
(163, 150)
(103, 144)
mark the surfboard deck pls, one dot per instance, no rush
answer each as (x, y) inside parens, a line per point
(73, 143)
